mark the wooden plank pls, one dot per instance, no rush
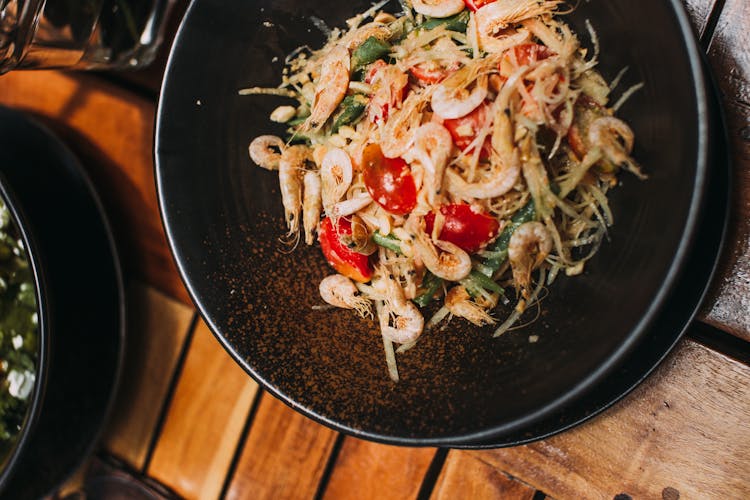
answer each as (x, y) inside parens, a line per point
(156, 330)
(728, 50)
(112, 131)
(284, 456)
(466, 476)
(728, 306)
(361, 466)
(685, 430)
(205, 420)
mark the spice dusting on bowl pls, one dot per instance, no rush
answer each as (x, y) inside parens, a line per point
(18, 332)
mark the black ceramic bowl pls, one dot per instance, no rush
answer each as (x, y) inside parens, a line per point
(223, 218)
(80, 306)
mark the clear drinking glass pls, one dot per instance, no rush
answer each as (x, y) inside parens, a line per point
(82, 34)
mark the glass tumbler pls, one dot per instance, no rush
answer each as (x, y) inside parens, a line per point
(81, 34)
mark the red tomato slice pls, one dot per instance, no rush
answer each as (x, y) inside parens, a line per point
(475, 5)
(464, 226)
(524, 54)
(344, 260)
(389, 181)
(429, 73)
(464, 130)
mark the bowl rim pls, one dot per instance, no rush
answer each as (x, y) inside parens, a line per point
(692, 53)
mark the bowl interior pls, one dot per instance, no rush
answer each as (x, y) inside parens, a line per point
(223, 218)
(19, 227)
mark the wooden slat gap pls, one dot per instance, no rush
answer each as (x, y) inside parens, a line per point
(170, 393)
(241, 443)
(709, 28)
(720, 341)
(433, 473)
(330, 465)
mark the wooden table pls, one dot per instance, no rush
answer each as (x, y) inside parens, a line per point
(189, 422)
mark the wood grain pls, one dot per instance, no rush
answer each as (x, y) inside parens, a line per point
(284, 456)
(466, 476)
(112, 131)
(361, 467)
(728, 50)
(686, 428)
(728, 306)
(205, 420)
(156, 330)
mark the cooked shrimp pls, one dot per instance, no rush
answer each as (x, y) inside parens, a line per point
(438, 8)
(351, 205)
(330, 88)
(495, 181)
(340, 291)
(502, 41)
(387, 82)
(357, 37)
(505, 165)
(361, 240)
(336, 176)
(459, 303)
(397, 135)
(454, 101)
(443, 258)
(311, 205)
(291, 165)
(265, 151)
(400, 320)
(529, 245)
(615, 138)
(495, 17)
(432, 147)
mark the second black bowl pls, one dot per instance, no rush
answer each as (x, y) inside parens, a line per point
(80, 299)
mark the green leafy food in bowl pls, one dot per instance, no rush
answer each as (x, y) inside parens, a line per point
(18, 331)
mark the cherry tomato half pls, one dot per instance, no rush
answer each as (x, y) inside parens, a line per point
(524, 54)
(475, 5)
(431, 72)
(464, 130)
(464, 226)
(528, 53)
(343, 259)
(389, 181)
